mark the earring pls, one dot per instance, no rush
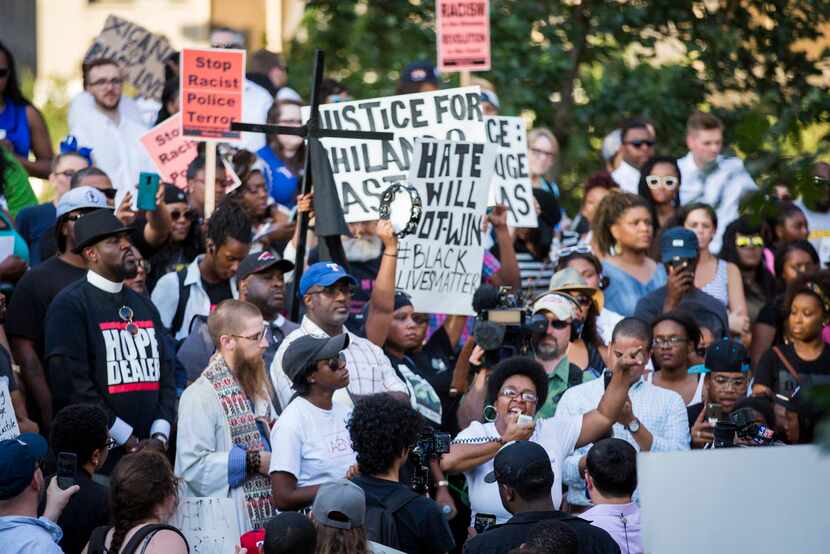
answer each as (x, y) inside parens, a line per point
(490, 413)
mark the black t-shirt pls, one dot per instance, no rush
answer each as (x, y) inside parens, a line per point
(650, 306)
(774, 315)
(772, 372)
(87, 509)
(509, 535)
(436, 362)
(32, 296)
(422, 528)
(92, 358)
(217, 292)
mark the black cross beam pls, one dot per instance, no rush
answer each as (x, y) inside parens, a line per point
(311, 129)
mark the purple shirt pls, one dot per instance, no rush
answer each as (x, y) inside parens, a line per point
(621, 521)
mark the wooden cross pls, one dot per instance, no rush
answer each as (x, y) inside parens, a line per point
(311, 129)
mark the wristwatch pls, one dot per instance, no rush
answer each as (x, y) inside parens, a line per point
(634, 426)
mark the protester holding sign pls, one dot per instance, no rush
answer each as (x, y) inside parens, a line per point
(284, 155)
(511, 184)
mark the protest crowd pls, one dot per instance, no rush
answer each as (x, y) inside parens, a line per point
(151, 365)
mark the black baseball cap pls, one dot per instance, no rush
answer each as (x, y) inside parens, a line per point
(174, 195)
(260, 261)
(521, 461)
(726, 355)
(95, 227)
(307, 349)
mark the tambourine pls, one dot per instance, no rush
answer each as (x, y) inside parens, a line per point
(401, 205)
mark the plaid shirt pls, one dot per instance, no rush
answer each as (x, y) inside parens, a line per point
(370, 371)
(659, 410)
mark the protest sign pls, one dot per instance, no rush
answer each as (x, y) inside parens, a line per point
(209, 524)
(363, 170)
(212, 81)
(439, 265)
(170, 151)
(710, 500)
(8, 419)
(463, 35)
(140, 53)
(511, 184)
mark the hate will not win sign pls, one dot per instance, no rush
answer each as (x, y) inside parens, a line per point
(212, 81)
(439, 265)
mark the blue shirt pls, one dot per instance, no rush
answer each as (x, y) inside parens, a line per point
(29, 535)
(624, 290)
(14, 121)
(32, 223)
(282, 185)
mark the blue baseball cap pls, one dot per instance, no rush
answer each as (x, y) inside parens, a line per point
(18, 461)
(419, 72)
(678, 242)
(324, 274)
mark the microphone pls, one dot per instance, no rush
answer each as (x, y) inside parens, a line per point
(485, 297)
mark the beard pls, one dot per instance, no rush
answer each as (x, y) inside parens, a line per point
(250, 372)
(362, 249)
(548, 350)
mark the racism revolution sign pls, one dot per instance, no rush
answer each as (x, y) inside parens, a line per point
(511, 184)
(211, 93)
(463, 35)
(170, 152)
(439, 265)
(363, 170)
(139, 52)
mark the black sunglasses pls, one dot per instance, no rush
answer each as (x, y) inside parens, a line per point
(109, 193)
(187, 214)
(641, 143)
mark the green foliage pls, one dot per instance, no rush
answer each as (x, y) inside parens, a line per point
(583, 66)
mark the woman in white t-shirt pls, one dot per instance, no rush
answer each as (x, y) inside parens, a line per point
(310, 442)
(517, 386)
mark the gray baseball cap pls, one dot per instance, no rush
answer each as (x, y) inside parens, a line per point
(80, 198)
(343, 498)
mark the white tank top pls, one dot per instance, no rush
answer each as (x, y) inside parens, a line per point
(697, 398)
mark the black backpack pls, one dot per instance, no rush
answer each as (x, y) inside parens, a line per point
(381, 523)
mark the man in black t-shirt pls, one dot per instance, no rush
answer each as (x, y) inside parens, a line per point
(210, 278)
(383, 430)
(525, 477)
(104, 342)
(34, 293)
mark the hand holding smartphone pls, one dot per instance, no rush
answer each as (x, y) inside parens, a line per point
(148, 186)
(67, 463)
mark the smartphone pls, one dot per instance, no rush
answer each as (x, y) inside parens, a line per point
(67, 463)
(525, 420)
(148, 186)
(483, 522)
(607, 378)
(713, 412)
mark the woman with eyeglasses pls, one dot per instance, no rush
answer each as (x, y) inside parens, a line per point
(310, 442)
(716, 277)
(543, 150)
(284, 155)
(660, 186)
(184, 243)
(805, 360)
(623, 232)
(22, 127)
(516, 387)
(791, 260)
(743, 245)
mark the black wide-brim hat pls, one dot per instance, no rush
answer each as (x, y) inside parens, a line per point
(95, 226)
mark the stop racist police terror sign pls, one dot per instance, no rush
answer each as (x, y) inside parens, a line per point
(212, 81)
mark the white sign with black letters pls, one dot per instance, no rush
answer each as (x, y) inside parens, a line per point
(511, 184)
(8, 419)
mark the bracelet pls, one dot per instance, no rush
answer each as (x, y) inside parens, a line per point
(252, 460)
(395, 255)
(443, 483)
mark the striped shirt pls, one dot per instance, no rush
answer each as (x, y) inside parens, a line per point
(535, 273)
(659, 410)
(370, 371)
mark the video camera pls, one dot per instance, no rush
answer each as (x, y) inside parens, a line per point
(505, 323)
(431, 445)
(741, 423)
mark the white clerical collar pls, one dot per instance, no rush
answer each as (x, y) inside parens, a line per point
(103, 283)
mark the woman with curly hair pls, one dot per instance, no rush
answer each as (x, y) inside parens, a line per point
(384, 430)
(623, 232)
(143, 497)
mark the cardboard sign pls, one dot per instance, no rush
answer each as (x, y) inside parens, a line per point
(511, 184)
(212, 81)
(440, 265)
(463, 35)
(209, 524)
(8, 419)
(713, 500)
(363, 170)
(170, 151)
(140, 53)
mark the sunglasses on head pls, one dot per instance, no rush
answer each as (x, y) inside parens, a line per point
(641, 143)
(669, 181)
(175, 215)
(743, 241)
